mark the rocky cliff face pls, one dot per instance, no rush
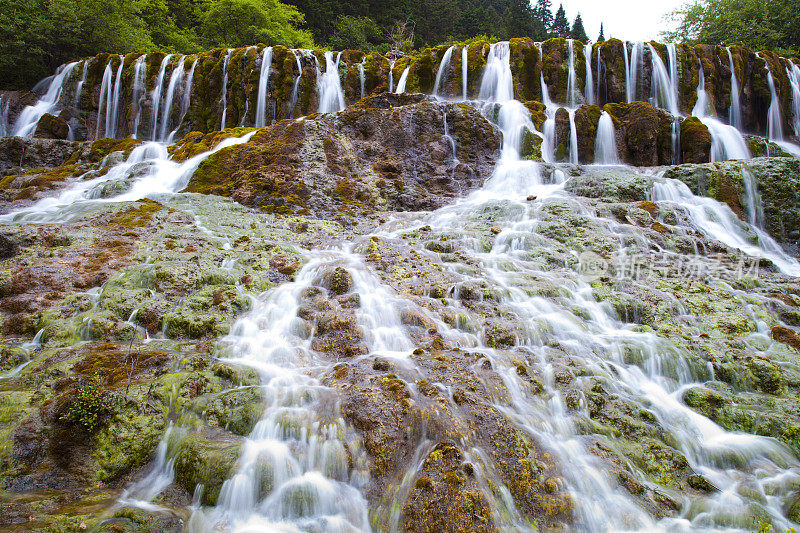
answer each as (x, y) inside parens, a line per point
(397, 317)
(617, 73)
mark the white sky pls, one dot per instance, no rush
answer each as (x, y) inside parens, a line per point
(632, 20)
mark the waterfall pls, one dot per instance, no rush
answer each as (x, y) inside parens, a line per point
(138, 91)
(588, 91)
(296, 87)
(161, 474)
(726, 141)
(4, 126)
(793, 72)
(26, 122)
(720, 223)
(635, 71)
(600, 98)
(224, 102)
(774, 123)
(497, 83)
(401, 85)
(572, 78)
(263, 80)
(663, 89)
(755, 207)
(155, 96)
(166, 112)
(735, 111)
(441, 74)
(111, 125)
(362, 77)
(105, 97)
(464, 71)
(391, 75)
(626, 63)
(186, 100)
(605, 144)
(329, 85)
(79, 88)
(674, 79)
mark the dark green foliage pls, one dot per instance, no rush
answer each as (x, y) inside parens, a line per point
(544, 12)
(578, 32)
(560, 27)
(38, 35)
(601, 38)
(752, 23)
(356, 33)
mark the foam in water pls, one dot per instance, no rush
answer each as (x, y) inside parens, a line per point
(329, 85)
(25, 125)
(401, 84)
(441, 73)
(605, 145)
(726, 141)
(263, 81)
(663, 87)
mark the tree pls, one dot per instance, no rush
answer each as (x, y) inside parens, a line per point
(560, 27)
(601, 38)
(235, 23)
(753, 23)
(356, 33)
(578, 32)
(544, 12)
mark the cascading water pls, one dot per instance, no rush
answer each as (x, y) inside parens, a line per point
(4, 107)
(155, 96)
(444, 66)
(735, 111)
(329, 85)
(755, 207)
(112, 120)
(224, 101)
(674, 80)
(588, 91)
(186, 100)
(138, 90)
(79, 88)
(726, 141)
(296, 87)
(263, 81)
(166, 111)
(401, 85)
(362, 77)
(26, 122)
(105, 95)
(774, 122)
(464, 71)
(663, 87)
(793, 73)
(572, 77)
(605, 144)
(634, 74)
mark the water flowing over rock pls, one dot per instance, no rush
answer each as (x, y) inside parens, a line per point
(527, 287)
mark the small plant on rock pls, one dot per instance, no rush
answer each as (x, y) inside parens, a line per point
(91, 406)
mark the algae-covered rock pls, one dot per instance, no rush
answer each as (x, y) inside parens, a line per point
(206, 460)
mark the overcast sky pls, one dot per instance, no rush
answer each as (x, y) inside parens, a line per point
(631, 20)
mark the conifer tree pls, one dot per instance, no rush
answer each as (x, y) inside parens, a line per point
(560, 27)
(601, 38)
(544, 12)
(578, 32)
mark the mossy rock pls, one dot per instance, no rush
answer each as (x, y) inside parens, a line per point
(202, 461)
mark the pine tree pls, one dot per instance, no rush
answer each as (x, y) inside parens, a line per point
(578, 32)
(560, 27)
(602, 37)
(544, 12)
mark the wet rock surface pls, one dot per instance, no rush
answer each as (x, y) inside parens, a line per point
(455, 363)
